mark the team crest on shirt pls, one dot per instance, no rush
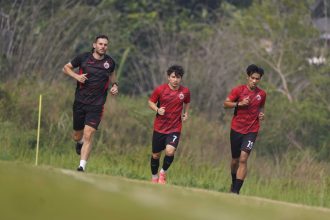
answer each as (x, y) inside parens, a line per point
(258, 97)
(181, 96)
(106, 65)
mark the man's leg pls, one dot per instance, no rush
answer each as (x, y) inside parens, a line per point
(233, 167)
(158, 145)
(168, 159)
(78, 125)
(241, 172)
(235, 143)
(78, 137)
(171, 143)
(87, 146)
(154, 165)
(246, 147)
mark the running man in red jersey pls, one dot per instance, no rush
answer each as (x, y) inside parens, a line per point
(171, 103)
(248, 101)
(96, 72)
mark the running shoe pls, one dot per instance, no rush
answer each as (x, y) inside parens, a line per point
(162, 178)
(154, 180)
(80, 169)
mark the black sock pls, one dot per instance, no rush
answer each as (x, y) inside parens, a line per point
(237, 186)
(167, 162)
(233, 178)
(154, 164)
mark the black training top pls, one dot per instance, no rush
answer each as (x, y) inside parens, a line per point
(95, 89)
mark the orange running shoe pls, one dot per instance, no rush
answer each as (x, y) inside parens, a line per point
(162, 178)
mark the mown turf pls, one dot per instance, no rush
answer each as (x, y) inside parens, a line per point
(29, 192)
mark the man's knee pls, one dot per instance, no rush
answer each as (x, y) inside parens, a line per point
(234, 161)
(243, 157)
(156, 156)
(88, 133)
(243, 161)
(170, 150)
(77, 135)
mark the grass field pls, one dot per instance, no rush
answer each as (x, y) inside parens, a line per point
(29, 192)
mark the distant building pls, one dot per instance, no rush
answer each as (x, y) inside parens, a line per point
(321, 17)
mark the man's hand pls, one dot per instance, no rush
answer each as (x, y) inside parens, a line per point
(261, 116)
(161, 110)
(81, 78)
(114, 89)
(244, 102)
(184, 116)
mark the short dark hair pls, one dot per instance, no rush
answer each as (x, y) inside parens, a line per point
(178, 70)
(261, 71)
(252, 68)
(103, 36)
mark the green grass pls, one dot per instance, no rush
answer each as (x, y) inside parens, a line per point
(29, 192)
(134, 164)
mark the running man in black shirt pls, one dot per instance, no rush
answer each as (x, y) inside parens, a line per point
(96, 72)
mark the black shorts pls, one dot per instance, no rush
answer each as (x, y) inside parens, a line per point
(84, 114)
(159, 141)
(241, 142)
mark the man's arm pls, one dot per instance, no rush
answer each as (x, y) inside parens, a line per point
(185, 111)
(261, 113)
(68, 70)
(230, 104)
(114, 87)
(113, 78)
(262, 109)
(154, 107)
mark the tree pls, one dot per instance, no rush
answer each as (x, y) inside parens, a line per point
(280, 35)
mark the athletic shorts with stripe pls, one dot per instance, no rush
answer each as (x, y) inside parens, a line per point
(159, 141)
(84, 114)
(241, 142)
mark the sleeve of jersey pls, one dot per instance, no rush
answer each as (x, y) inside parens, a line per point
(113, 66)
(155, 95)
(233, 95)
(187, 99)
(76, 62)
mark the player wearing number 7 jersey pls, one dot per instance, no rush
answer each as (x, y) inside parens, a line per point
(170, 101)
(248, 101)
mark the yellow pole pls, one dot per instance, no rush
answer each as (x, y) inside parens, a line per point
(38, 134)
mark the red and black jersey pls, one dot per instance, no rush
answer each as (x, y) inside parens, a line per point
(95, 89)
(246, 119)
(173, 101)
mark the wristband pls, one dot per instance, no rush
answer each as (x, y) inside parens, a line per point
(115, 83)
